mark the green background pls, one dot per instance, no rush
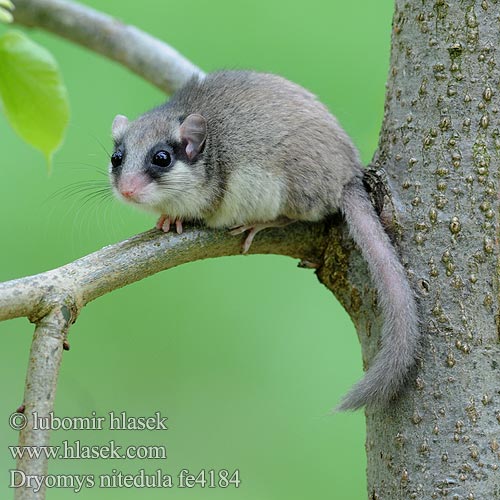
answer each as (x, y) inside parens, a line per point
(245, 355)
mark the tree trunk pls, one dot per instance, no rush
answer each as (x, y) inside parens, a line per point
(439, 146)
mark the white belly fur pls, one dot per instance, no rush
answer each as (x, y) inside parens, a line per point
(251, 196)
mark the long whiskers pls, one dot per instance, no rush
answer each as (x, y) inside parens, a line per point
(80, 188)
(82, 166)
(100, 196)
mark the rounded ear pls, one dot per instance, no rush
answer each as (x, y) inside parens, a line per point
(193, 131)
(119, 127)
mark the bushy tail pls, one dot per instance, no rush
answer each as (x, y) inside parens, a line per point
(400, 333)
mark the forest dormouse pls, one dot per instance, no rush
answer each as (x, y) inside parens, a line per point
(245, 151)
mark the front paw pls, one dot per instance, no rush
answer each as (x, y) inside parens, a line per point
(165, 221)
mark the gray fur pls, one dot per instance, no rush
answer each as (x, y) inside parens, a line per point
(400, 332)
(272, 150)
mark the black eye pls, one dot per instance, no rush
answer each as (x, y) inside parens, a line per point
(116, 158)
(162, 159)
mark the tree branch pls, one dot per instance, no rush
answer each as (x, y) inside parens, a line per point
(143, 54)
(40, 391)
(115, 266)
(54, 299)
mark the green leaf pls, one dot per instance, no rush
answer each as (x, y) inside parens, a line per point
(7, 4)
(33, 93)
(5, 16)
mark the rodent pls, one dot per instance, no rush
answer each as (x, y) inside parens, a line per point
(248, 150)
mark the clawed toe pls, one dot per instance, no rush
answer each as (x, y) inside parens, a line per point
(249, 239)
(253, 229)
(165, 221)
(235, 230)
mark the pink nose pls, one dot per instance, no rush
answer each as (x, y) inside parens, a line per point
(131, 185)
(128, 193)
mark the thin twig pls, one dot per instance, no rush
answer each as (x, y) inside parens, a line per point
(153, 60)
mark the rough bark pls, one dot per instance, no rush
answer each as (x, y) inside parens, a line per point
(40, 390)
(439, 145)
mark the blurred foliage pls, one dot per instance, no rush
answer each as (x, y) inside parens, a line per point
(245, 355)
